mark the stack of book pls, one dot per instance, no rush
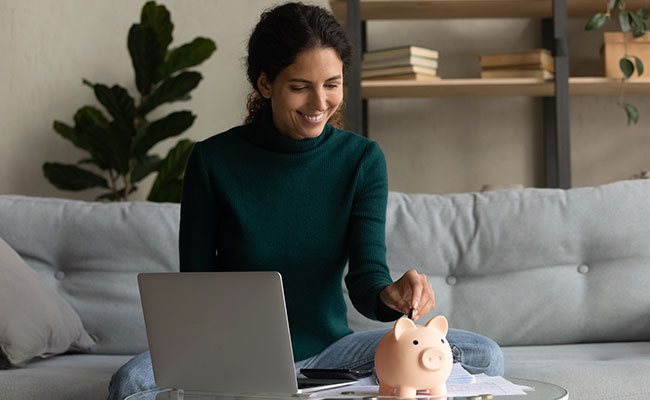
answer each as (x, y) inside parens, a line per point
(520, 64)
(408, 62)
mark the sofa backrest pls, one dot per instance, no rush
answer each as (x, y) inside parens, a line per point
(91, 253)
(531, 266)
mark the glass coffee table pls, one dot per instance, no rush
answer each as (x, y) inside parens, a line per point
(543, 391)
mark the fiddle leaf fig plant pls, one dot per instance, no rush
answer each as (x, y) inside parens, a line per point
(119, 138)
(636, 22)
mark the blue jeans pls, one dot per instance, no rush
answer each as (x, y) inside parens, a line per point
(477, 354)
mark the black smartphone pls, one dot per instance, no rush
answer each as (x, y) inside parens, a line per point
(317, 373)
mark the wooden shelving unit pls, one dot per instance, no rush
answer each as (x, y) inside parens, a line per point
(555, 93)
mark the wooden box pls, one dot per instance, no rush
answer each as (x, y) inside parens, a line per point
(613, 51)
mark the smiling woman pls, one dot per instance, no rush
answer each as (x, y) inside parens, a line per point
(291, 192)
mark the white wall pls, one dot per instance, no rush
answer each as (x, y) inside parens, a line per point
(431, 145)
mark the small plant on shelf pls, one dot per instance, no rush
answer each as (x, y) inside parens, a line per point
(629, 21)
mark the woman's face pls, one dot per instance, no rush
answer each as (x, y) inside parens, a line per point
(306, 93)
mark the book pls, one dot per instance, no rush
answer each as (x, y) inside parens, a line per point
(409, 69)
(538, 59)
(516, 73)
(404, 77)
(401, 62)
(395, 52)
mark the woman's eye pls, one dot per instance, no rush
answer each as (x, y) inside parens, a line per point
(332, 86)
(298, 89)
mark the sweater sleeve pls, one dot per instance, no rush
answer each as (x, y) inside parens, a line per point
(199, 217)
(368, 273)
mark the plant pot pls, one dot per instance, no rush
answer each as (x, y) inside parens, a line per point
(614, 50)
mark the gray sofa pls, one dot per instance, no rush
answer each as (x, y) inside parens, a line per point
(561, 279)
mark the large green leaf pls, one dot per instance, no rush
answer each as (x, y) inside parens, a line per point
(186, 56)
(118, 102)
(142, 169)
(70, 133)
(111, 144)
(172, 125)
(172, 89)
(88, 122)
(158, 18)
(613, 4)
(71, 177)
(88, 116)
(596, 21)
(146, 55)
(644, 13)
(169, 182)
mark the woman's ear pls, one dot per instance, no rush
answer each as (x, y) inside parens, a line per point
(264, 86)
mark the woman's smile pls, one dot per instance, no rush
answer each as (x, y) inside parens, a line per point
(312, 118)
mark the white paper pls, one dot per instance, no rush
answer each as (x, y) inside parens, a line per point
(483, 384)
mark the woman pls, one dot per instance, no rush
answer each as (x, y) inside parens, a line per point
(290, 192)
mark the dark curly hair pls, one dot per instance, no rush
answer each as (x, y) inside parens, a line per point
(279, 36)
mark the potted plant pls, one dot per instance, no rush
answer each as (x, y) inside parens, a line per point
(119, 144)
(629, 21)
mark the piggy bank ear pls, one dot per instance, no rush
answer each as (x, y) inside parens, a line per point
(439, 323)
(402, 325)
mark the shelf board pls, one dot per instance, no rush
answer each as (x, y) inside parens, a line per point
(607, 86)
(530, 87)
(445, 9)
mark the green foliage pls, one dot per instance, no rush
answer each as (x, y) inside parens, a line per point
(636, 22)
(167, 186)
(626, 67)
(118, 142)
(632, 113)
(596, 21)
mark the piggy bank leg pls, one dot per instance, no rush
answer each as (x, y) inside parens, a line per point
(438, 390)
(406, 392)
(386, 390)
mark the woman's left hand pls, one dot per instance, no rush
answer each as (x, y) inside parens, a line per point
(411, 291)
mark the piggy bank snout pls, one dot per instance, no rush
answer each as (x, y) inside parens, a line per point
(432, 358)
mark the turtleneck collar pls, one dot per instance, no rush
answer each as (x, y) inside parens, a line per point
(264, 133)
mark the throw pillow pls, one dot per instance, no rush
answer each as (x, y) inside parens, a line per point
(35, 321)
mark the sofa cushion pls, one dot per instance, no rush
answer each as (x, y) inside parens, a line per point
(66, 377)
(530, 266)
(91, 253)
(589, 371)
(35, 321)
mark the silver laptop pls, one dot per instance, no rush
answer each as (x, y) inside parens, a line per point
(222, 332)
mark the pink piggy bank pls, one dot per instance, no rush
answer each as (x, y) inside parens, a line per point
(414, 357)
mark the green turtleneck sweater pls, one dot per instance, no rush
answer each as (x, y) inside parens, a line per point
(254, 199)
